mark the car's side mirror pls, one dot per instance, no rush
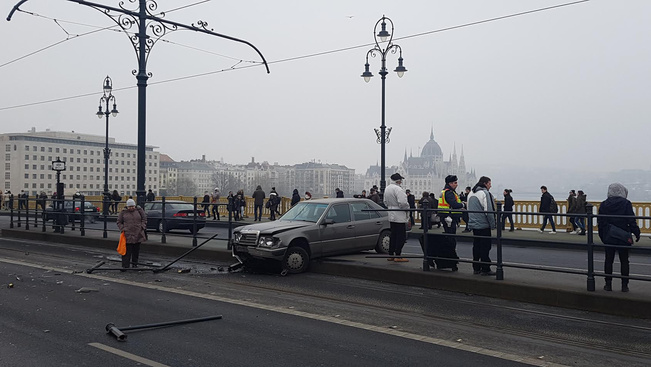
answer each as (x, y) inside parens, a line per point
(328, 221)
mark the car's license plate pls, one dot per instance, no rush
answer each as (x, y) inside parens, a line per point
(239, 248)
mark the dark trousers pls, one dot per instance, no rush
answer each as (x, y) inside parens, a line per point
(452, 228)
(272, 213)
(411, 218)
(623, 261)
(551, 220)
(257, 212)
(481, 248)
(398, 238)
(504, 218)
(215, 211)
(131, 257)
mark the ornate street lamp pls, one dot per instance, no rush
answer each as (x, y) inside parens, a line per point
(383, 133)
(107, 99)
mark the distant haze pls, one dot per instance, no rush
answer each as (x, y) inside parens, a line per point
(558, 97)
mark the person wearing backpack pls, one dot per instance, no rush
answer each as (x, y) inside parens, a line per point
(547, 205)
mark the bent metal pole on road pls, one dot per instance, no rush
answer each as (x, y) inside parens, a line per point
(143, 19)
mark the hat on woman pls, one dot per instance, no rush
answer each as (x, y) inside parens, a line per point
(130, 202)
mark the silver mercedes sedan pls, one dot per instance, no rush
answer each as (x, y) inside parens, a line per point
(313, 229)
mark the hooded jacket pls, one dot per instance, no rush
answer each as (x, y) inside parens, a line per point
(480, 199)
(617, 204)
(295, 197)
(396, 198)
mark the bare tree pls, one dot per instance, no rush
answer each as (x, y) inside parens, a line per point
(186, 187)
(226, 182)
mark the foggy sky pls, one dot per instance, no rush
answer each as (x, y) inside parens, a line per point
(566, 88)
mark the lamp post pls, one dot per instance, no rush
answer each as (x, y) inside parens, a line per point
(384, 35)
(107, 99)
(143, 20)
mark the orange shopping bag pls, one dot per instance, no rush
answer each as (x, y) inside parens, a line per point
(122, 245)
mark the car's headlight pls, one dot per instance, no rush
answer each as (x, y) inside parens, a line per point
(238, 237)
(267, 241)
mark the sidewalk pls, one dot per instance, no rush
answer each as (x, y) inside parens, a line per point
(541, 287)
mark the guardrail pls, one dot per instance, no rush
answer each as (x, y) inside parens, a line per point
(62, 214)
(500, 264)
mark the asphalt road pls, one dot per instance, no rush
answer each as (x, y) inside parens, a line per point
(269, 320)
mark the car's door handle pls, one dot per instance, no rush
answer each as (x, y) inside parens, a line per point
(378, 223)
(350, 226)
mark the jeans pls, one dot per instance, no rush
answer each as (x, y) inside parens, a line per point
(481, 248)
(551, 220)
(579, 223)
(398, 238)
(504, 218)
(623, 261)
(215, 211)
(257, 212)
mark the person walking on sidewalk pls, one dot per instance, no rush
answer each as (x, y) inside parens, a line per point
(132, 220)
(258, 202)
(395, 198)
(481, 224)
(617, 204)
(571, 208)
(508, 207)
(580, 209)
(547, 204)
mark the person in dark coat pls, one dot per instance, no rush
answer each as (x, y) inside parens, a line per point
(508, 207)
(424, 203)
(272, 203)
(545, 207)
(464, 199)
(151, 196)
(411, 199)
(580, 208)
(116, 198)
(339, 193)
(375, 197)
(232, 205)
(617, 204)
(132, 220)
(205, 203)
(258, 202)
(296, 197)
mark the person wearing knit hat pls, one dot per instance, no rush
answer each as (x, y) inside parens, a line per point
(396, 198)
(132, 221)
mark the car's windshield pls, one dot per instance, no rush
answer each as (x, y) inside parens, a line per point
(307, 212)
(180, 206)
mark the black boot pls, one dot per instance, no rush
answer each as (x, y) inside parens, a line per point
(608, 287)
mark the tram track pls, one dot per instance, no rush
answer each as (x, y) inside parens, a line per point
(408, 292)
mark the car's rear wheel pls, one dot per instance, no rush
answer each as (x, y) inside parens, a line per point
(382, 246)
(296, 260)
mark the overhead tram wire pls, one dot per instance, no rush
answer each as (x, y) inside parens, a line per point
(303, 56)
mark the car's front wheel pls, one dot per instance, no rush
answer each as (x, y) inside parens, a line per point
(382, 246)
(296, 260)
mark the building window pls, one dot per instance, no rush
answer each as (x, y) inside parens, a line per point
(8, 148)
(26, 185)
(33, 166)
(49, 149)
(42, 176)
(7, 165)
(56, 150)
(26, 157)
(49, 176)
(34, 176)
(42, 167)
(8, 157)
(27, 148)
(78, 151)
(8, 176)
(85, 152)
(35, 157)
(42, 149)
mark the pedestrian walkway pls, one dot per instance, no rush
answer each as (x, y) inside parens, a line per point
(534, 286)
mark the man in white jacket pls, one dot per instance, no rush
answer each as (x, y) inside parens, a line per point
(481, 221)
(396, 198)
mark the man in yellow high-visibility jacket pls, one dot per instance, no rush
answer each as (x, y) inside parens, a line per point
(450, 200)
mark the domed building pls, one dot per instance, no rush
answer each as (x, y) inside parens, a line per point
(427, 171)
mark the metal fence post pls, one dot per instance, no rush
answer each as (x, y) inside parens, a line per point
(229, 246)
(11, 212)
(105, 207)
(590, 229)
(194, 221)
(82, 209)
(424, 221)
(498, 242)
(26, 203)
(163, 237)
(43, 216)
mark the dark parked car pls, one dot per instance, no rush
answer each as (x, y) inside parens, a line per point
(73, 210)
(178, 215)
(313, 229)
